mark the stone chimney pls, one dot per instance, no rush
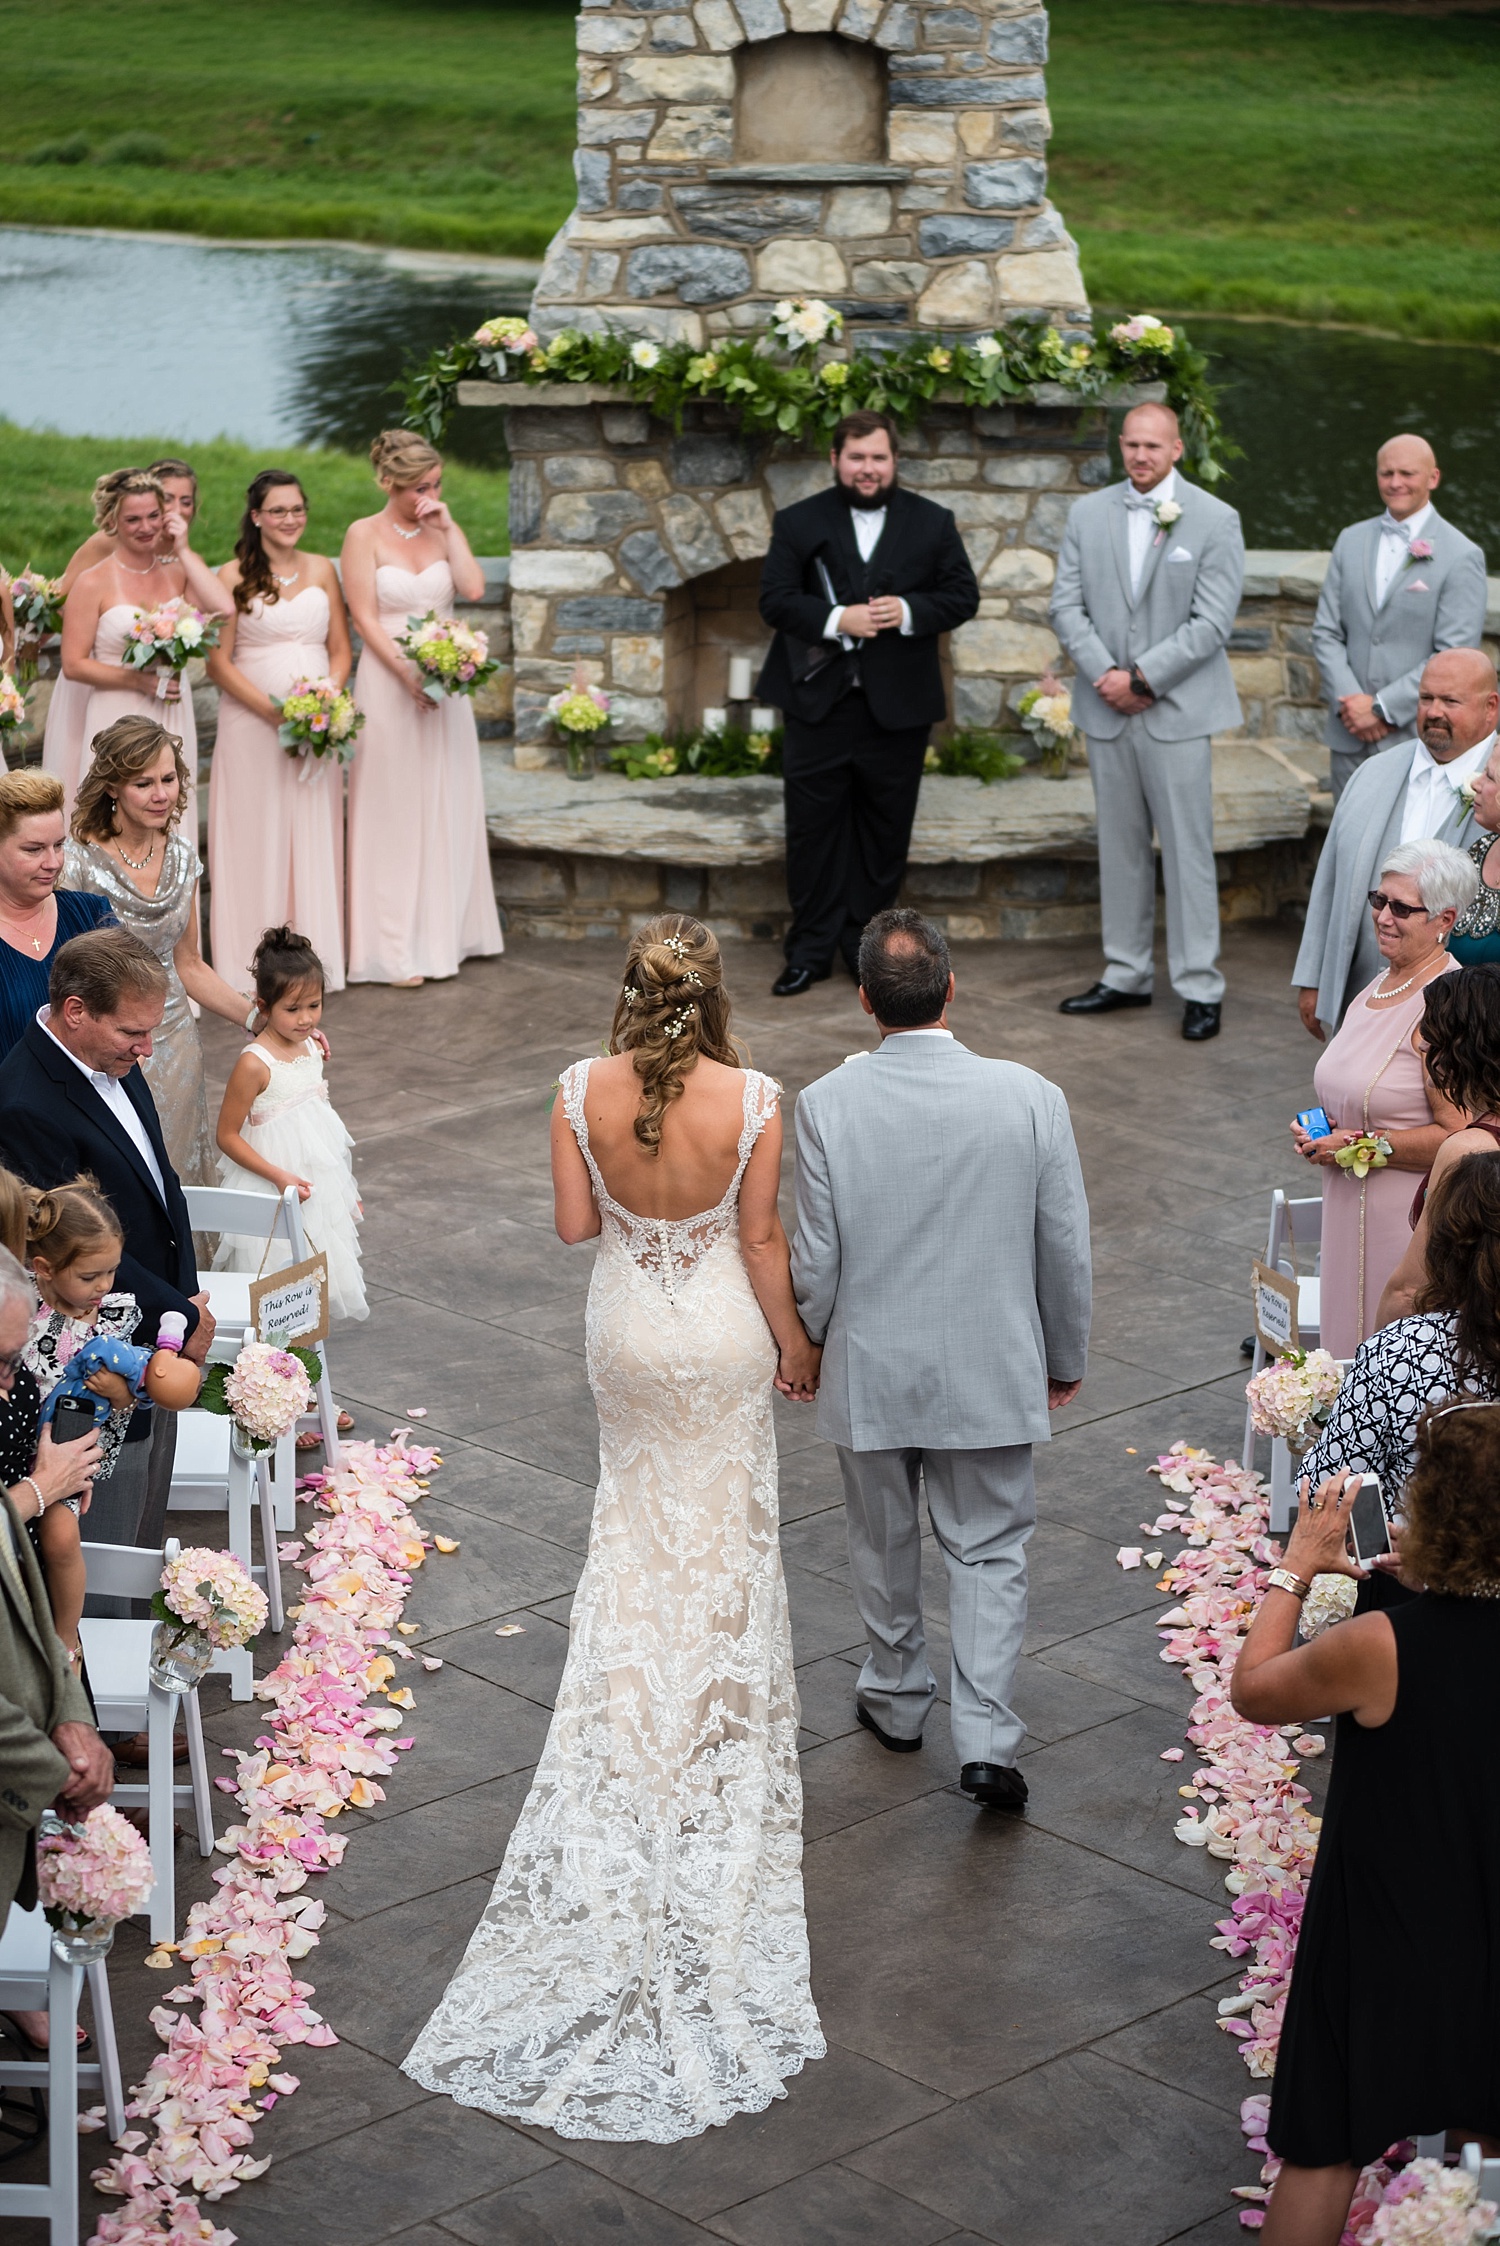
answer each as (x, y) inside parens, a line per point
(886, 155)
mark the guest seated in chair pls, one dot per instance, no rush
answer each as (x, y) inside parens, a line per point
(1393, 2016)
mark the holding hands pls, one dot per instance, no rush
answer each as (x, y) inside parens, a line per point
(797, 1370)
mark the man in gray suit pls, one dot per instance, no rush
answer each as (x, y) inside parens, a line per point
(1399, 587)
(1148, 584)
(1406, 793)
(942, 1260)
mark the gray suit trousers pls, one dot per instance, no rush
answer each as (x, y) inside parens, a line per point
(1140, 783)
(982, 1505)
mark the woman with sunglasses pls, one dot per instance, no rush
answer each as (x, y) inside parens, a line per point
(275, 822)
(1371, 1084)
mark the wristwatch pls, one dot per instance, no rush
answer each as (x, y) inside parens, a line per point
(1282, 1579)
(1139, 686)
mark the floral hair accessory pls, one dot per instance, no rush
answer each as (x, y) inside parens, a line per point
(679, 1022)
(675, 945)
(632, 995)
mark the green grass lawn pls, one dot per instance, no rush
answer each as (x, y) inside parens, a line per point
(1317, 164)
(45, 481)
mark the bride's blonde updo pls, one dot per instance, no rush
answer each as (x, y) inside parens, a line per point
(672, 1007)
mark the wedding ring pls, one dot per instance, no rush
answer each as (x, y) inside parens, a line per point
(1313, 1505)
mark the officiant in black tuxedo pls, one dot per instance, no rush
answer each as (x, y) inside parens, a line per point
(858, 583)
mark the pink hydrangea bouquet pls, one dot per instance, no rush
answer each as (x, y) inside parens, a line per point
(1423, 2204)
(210, 1592)
(1046, 712)
(452, 657)
(94, 1873)
(1294, 1394)
(265, 1391)
(12, 706)
(166, 638)
(507, 338)
(318, 719)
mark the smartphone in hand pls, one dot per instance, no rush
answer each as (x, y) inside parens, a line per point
(1369, 1530)
(72, 1420)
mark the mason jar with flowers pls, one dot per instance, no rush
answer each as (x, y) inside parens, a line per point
(89, 1876)
(206, 1604)
(579, 712)
(1046, 711)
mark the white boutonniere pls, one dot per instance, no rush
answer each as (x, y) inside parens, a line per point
(1166, 512)
(1464, 790)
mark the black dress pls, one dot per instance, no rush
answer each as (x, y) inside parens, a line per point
(1393, 2021)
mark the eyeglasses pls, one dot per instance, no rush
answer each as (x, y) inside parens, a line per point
(1380, 902)
(283, 514)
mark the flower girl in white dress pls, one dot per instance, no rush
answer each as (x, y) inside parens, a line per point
(276, 1124)
(641, 1970)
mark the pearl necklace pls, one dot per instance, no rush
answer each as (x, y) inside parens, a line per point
(20, 925)
(136, 865)
(1380, 996)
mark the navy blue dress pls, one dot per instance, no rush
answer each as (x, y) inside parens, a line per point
(23, 980)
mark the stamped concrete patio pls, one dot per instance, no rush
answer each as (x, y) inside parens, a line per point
(1020, 2015)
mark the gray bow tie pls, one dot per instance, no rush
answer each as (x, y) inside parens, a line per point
(1390, 528)
(1145, 502)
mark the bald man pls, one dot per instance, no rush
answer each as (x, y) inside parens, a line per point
(1148, 583)
(1399, 587)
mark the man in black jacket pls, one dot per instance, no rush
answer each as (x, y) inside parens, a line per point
(73, 1100)
(859, 582)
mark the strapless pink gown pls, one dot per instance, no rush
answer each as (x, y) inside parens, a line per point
(62, 742)
(275, 822)
(421, 897)
(106, 703)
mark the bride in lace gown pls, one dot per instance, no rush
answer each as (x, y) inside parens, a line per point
(641, 1969)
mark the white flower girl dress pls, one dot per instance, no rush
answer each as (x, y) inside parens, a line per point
(293, 1125)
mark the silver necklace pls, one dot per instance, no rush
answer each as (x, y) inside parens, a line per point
(151, 572)
(408, 535)
(296, 573)
(136, 865)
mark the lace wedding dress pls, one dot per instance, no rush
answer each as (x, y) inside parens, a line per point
(641, 1969)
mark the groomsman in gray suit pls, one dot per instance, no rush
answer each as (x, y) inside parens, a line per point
(1399, 587)
(1148, 583)
(1406, 793)
(942, 1260)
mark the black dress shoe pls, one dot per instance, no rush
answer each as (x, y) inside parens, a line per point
(793, 981)
(1199, 1022)
(896, 1746)
(1103, 998)
(993, 1786)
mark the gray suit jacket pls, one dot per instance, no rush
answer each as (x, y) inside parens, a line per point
(1176, 627)
(942, 1251)
(1362, 649)
(1338, 954)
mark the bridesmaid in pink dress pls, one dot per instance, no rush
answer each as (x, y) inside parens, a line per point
(99, 612)
(1371, 1079)
(421, 896)
(275, 822)
(63, 740)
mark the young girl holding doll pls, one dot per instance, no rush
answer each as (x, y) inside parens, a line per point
(276, 1125)
(73, 1247)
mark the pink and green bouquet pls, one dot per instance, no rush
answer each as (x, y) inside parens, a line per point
(37, 602)
(1294, 1394)
(167, 637)
(452, 657)
(94, 1873)
(210, 1593)
(318, 719)
(12, 707)
(506, 338)
(265, 1391)
(1046, 712)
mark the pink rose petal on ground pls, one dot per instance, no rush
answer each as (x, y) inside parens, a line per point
(1129, 1556)
(416, 1411)
(1171, 1754)
(1308, 1743)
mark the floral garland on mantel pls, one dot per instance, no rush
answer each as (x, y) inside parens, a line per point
(325, 1749)
(1257, 1821)
(787, 381)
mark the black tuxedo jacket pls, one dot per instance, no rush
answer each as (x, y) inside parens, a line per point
(919, 557)
(53, 1125)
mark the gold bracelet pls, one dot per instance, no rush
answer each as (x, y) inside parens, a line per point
(1282, 1579)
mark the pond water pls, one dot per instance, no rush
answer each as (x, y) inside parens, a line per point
(156, 335)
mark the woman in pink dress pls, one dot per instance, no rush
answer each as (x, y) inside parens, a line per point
(63, 741)
(275, 822)
(1370, 1080)
(421, 896)
(152, 562)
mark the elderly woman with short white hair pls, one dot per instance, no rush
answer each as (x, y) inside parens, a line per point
(1371, 1085)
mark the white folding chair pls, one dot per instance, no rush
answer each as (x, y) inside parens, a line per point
(209, 1473)
(267, 1218)
(118, 1659)
(32, 1979)
(1294, 1225)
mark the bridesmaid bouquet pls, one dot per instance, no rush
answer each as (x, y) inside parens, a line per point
(12, 707)
(1047, 715)
(38, 607)
(453, 658)
(318, 719)
(167, 638)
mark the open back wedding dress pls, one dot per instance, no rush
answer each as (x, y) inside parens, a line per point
(641, 1969)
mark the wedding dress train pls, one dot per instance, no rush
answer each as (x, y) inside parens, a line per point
(641, 1969)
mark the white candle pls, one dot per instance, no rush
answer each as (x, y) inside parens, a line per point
(739, 678)
(762, 720)
(715, 720)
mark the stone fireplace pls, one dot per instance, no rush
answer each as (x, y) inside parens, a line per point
(888, 158)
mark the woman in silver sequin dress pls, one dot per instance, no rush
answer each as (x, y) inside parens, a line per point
(125, 845)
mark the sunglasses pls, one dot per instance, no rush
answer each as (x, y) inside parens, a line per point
(1380, 902)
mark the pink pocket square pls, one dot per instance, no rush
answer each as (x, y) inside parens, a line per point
(1418, 585)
